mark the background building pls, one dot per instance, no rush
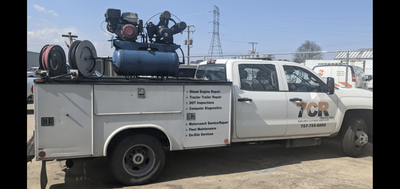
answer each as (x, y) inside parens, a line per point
(32, 59)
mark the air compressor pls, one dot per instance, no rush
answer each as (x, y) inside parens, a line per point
(155, 55)
(151, 53)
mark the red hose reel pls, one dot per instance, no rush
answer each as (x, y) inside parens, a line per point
(53, 59)
(82, 56)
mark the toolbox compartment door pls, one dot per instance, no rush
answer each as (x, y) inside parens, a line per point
(63, 116)
(137, 99)
(207, 116)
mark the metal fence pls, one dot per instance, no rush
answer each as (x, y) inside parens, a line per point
(358, 60)
(354, 60)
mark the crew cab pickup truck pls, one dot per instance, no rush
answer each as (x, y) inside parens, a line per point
(133, 122)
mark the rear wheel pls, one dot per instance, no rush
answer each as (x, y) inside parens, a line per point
(354, 137)
(137, 159)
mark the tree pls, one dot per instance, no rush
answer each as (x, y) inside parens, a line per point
(308, 46)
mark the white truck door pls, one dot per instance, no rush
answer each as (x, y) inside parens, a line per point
(260, 108)
(310, 110)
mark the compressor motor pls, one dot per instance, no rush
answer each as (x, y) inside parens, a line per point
(126, 27)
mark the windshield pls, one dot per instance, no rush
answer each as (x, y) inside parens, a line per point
(213, 72)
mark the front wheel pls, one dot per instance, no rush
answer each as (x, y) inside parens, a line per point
(137, 159)
(355, 137)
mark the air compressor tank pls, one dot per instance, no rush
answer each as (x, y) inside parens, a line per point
(143, 62)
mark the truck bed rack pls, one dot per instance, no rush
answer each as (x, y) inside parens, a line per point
(108, 80)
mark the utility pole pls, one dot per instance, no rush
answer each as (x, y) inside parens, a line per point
(189, 42)
(70, 38)
(347, 66)
(253, 50)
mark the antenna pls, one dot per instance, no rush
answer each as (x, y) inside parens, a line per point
(215, 46)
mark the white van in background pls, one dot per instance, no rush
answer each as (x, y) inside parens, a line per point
(355, 76)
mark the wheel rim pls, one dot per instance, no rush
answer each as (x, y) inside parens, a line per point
(361, 138)
(139, 160)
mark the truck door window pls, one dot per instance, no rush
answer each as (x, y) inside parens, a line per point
(214, 72)
(300, 79)
(258, 77)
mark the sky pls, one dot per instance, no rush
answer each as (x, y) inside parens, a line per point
(276, 25)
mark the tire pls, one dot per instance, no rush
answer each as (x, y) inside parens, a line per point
(354, 137)
(137, 159)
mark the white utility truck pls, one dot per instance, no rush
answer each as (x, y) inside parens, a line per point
(133, 122)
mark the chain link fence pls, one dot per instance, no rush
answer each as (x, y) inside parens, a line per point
(359, 72)
(356, 74)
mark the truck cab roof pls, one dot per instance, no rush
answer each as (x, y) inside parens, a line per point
(225, 61)
(229, 66)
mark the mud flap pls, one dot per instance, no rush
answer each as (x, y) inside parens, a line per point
(43, 176)
(30, 148)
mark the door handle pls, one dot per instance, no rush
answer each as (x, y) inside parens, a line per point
(245, 99)
(295, 99)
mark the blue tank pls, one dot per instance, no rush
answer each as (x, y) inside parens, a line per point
(143, 62)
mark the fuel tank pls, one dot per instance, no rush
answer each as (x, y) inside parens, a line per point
(143, 62)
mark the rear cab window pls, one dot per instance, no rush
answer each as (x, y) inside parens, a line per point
(213, 72)
(258, 77)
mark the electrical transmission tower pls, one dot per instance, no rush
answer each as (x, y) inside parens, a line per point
(215, 46)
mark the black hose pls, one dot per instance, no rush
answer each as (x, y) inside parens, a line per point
(183, 55)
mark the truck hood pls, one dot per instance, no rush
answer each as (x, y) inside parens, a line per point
(353, 92)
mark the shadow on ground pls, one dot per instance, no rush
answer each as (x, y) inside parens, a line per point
(95, 173)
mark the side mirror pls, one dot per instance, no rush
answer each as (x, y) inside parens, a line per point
(330, 85)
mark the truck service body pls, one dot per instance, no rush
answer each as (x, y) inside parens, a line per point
(230, 101)
(85, 117)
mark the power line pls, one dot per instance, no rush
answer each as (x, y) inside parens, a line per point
(262, 15)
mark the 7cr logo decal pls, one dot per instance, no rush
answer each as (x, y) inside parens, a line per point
(322, 108)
